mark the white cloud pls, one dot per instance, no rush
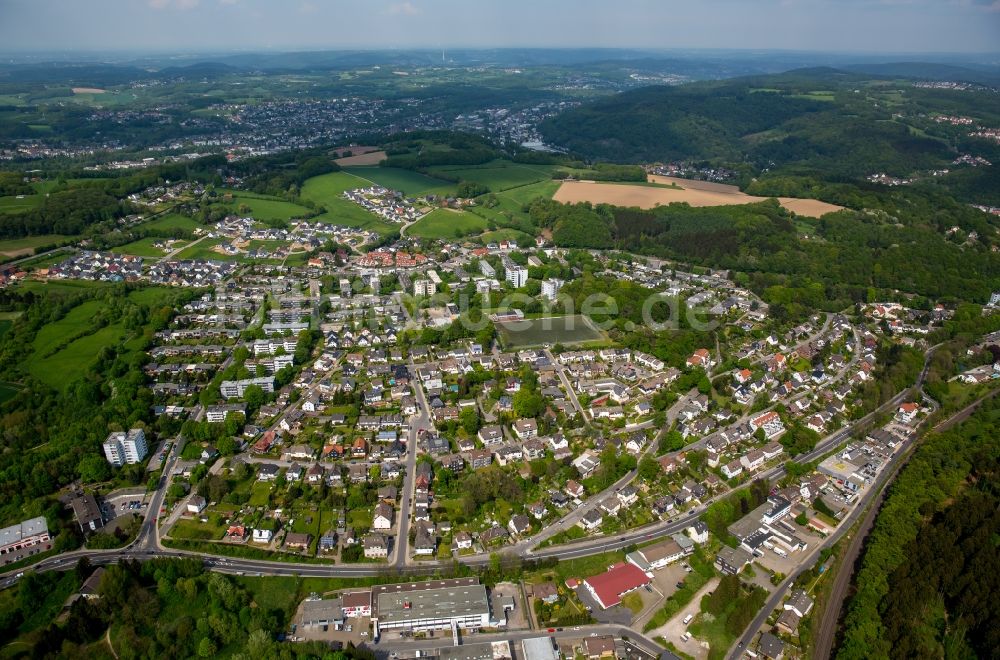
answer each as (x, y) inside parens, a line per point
(405, 8)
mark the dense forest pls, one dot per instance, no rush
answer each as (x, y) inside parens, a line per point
(835, 126)
(929, 574)
(163, 608)
(49, 437)
(844, 259)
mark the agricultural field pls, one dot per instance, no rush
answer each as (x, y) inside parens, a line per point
(326, 190)
(576, 329)
(411, 184)
(447, 224)
(16, 247)
(695, 193)
(499, 175)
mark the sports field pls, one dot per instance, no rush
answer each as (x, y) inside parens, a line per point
(695, 193)
(326, 189)
(549, 330)
(413, 184)
(447, 224)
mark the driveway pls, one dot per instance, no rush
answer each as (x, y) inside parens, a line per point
(617, 615)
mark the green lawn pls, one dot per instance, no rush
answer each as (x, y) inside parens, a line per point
(326, 190)
(144, 247)
(11, 203)
(197, 530)
(446, 224)
(405, 181)
(499, 175)
(259, 493)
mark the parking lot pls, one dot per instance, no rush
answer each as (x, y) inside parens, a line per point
(118, 504)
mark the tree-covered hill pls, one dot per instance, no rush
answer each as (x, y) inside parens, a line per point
(832, 124)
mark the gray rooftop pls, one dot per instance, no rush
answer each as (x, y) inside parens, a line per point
(456, 600)
(23, 530)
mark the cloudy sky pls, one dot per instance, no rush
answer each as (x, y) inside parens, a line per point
(176, 25)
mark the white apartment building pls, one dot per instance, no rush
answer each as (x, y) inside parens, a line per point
(550, 287)
(121, 448)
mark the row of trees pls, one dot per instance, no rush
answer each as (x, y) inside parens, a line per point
(930, 566)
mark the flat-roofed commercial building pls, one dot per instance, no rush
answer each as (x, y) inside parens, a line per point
(437, 604)
(481, 651)
(539, 648)
(17, 539)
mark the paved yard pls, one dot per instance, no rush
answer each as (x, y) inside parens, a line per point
(674, 628)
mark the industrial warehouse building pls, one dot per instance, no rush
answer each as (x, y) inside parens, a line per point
(435, 605)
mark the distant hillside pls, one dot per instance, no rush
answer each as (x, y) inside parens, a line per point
(989, 76)
(823, 122)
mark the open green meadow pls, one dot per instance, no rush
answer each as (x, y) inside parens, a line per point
(65, 348)
(144, 247)
(408, 182)
(515, 235)
(499, 175)
(549, 330)
(326, 189)
(447, 224)
(173, 221)
(266, 208)
(15, 204)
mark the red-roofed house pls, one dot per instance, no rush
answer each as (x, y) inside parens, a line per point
(263, 445)
(609, 587)
(907, 412)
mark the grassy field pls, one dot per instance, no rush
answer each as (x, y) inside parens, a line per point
(16, 245)
(144, 247)
(405, 181)
(65, 348)
(203, 250)
(267, 208)
(7, 392)
(76, 357)
(447, 224)
(11, 203)
(499, 175)
(549, 330)
(172, 221)
(326, 189)
(503, 235)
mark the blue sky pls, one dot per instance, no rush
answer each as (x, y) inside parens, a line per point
(891, 26)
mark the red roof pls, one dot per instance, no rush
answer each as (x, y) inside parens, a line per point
(610, 586)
